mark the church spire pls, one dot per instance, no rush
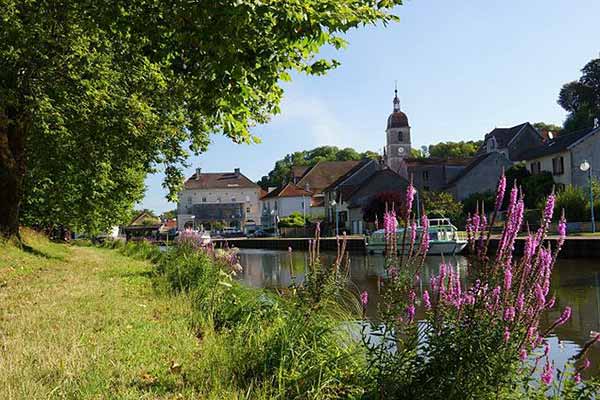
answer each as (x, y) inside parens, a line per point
(396, 99)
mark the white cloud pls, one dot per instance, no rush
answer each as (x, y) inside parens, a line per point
(315, 117)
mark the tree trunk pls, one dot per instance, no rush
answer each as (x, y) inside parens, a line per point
(12, 171)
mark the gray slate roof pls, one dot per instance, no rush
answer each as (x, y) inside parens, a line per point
(503, 136)
(559, 144)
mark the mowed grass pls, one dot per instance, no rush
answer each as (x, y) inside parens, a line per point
(87, 323)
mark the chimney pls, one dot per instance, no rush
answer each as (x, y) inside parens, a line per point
(237, 172)
(198, 172)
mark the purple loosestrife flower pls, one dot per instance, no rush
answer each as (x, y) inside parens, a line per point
(547, 373)
(514, 194)
(500, 192)
(507, 279)
(426, 300)
(413, 233)
(410, 312)
(520, 302)
(469, 226)
(586, 363)
(475, 223)
(523, 355)
(482, 223)
(506, 335)
(410, 196)
(509, 314)
(562, 229)
(425, 235)
(364, 298)
(549, 209)
(551, 302)
(540, 296)
(577, 378)
(390, 223)
(564, 317)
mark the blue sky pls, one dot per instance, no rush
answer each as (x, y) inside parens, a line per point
(463, 68)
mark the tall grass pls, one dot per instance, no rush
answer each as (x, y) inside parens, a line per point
(256, 341)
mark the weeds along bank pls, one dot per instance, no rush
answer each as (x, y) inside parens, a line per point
(258, 342)
(479, 340)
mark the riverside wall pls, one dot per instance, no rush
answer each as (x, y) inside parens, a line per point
(574, 247)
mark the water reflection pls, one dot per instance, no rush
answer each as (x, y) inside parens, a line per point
(575, 283)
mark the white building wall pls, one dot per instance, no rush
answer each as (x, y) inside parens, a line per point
(285, 206)
(546, 165)
(248, 196)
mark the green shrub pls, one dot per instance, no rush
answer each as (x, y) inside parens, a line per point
(575, 203)
(294, 220)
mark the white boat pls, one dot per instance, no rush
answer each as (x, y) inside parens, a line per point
(444, 239)
(205, 238)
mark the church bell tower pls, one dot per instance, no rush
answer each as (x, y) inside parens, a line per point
(397, 139)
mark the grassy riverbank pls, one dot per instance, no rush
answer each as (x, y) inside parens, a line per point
(83, 323)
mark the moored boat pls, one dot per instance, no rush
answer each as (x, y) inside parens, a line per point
(444, 239)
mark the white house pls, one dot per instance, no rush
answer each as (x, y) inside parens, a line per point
(563, 155)
(284, 201)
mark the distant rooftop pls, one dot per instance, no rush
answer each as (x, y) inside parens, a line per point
(219, 180)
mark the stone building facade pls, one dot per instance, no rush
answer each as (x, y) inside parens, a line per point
(227, 198)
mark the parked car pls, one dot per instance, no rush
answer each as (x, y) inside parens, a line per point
(232, 233)
(259, 233)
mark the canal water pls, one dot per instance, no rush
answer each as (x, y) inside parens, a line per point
(575, 283)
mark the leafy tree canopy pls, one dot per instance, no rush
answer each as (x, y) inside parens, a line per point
(543, 127)
(96, 94)
(441, 204)
(581, 98)
(283, 168)
(535, 187)
(454, 149)
(169, 214)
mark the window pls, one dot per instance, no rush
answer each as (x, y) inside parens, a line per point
(204, 199)
(558, 166)
(189, 200)
(425, 175)
(248, 210)
(535, 167)
(218, 199)
(400, 137)
(233, 199)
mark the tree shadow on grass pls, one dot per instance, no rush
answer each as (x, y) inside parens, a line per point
(38, 253)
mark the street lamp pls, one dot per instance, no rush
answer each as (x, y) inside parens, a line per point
(337, 225)
(585, 167)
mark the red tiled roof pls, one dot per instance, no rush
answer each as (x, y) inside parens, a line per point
(219, 180)
(324, 173)
(298, 171)
(288, 190)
